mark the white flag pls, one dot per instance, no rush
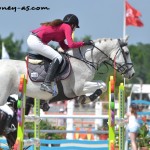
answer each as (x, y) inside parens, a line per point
(5, 54)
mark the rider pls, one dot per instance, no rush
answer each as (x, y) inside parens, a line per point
(6, 114)
(57, 30)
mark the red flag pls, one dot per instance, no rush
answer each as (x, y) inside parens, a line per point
(132, 16)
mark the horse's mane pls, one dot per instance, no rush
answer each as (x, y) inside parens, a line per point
(102, 39)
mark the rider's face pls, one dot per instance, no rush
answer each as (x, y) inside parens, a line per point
(73, 28)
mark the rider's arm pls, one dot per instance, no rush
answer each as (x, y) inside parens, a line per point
(68, 35)
(63, 45)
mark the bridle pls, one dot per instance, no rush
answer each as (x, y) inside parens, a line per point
(123, 69)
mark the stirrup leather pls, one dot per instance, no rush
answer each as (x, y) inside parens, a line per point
(46, 87)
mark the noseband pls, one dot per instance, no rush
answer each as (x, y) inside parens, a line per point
(126, 67)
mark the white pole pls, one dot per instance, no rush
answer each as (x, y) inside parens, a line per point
(126, 139)
(98, 122)
(124, 34)
(124, 25)
(124, 18)
(76, 116)
(69, 121)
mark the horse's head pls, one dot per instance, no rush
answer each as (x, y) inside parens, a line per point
(116, 50)
(122, 59)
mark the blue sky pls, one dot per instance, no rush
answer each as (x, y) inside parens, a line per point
(98, 18)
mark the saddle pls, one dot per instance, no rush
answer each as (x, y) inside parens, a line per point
(37, 67)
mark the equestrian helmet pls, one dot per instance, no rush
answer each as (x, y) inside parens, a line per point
(71, 19)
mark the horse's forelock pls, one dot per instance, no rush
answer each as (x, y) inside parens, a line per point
(122, 43)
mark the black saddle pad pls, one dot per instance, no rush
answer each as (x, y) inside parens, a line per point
(37, 68)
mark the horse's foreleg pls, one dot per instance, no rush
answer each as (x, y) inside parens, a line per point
(91, 87)
(92, 90)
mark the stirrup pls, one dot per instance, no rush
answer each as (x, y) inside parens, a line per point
(46, 87)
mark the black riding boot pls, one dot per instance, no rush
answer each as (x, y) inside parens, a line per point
(8, 121)
(46, 86)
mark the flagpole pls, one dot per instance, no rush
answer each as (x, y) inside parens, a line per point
(124, 18)
(124, 24)
(124, 34)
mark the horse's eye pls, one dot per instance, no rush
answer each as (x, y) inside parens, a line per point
(127, 53)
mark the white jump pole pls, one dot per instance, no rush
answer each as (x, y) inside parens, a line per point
(98, 122)
(126, 139)
(69, 121)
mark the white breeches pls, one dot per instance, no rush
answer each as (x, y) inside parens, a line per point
(35, 44)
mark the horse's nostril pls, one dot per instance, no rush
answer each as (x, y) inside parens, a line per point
(132, 75)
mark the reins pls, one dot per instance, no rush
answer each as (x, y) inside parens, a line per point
(83, 59)
(114, 64)
(120, 68)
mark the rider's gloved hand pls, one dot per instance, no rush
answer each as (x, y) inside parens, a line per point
(59, 49)
(88, 42)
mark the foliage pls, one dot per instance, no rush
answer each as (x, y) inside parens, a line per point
(143, 137)
(87, 38)
(46, 125)
(140, 56)
(13, 47)
(54, 136)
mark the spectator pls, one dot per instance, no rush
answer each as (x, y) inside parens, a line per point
(133, 125)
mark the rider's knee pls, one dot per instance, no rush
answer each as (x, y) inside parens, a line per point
(59, 57)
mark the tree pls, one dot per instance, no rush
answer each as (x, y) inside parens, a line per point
(13, 47)
(140, 55)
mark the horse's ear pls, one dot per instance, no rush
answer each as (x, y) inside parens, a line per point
(123, 42)
(126, 38)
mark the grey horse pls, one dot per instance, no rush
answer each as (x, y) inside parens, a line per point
(84, 62)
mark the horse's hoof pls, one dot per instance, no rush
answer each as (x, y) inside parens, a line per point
(84, 100)
(45, 107)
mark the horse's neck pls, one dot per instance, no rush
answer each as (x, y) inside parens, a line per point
(107, 48)
(101, 52)
(85, 52)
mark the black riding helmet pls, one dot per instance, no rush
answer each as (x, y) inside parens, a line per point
(71, 19)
